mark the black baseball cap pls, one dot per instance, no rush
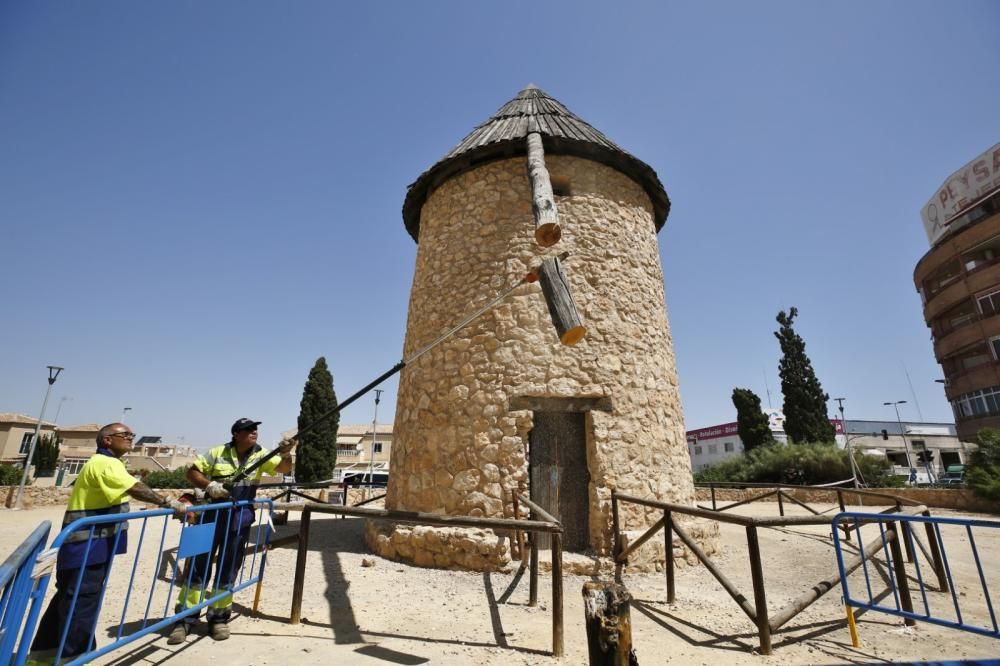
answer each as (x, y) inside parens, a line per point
(244, 424)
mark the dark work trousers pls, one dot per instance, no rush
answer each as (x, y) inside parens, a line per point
(228, 549)
(80, 637)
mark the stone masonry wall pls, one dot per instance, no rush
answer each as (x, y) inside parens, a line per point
(459, 449)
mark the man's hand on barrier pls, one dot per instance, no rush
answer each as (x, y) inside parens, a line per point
(179, 507)
(216, 491)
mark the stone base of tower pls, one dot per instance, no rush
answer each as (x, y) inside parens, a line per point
(462, 548)
(483, 550)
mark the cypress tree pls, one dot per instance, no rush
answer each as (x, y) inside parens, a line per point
(805, 402)
(751, 422)
(317, 448)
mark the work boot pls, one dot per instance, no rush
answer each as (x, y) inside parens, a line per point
(178, 634)
(219, 631)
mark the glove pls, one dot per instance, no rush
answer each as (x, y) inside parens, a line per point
(179, 507)
(286, 446)
(215, 491)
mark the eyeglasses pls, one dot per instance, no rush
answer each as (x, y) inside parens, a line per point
(247, 430)
(123, 435)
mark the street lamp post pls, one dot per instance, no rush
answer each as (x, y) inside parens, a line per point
(906, 444)
(62, 401)
(124, 411)
(371, 459)
(54, 371)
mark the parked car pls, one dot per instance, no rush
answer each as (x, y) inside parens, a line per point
(953, 476)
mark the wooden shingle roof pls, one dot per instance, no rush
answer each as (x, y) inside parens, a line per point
(503, 136)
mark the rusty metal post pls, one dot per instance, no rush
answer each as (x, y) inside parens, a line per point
(781, 502)
(300, 566)
(902, 583)
(938, 561)
(759, 594)
(616, 526)
(668, 554)
(557, 595)
(533, 573)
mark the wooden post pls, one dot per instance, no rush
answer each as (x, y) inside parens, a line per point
(616, 537)
(843, 508)
(902, 583)
(562, 309)
(781, 503)
(533, 573)
(608, 623)
(668, 554)
(300, 566)
(547, 230)
(557, 595)
(515, 542)
(906, 542)
(711, 486)
(759, 595)
(937, 561)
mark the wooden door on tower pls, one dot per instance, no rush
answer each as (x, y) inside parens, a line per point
(559, 476)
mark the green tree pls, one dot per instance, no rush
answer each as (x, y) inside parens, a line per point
(9, 475)
(805, 402)
(46, 455)
(983, 473)
(752, 423)
(317, 448)
(175, 478)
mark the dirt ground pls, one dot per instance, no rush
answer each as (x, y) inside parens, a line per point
(392, 613)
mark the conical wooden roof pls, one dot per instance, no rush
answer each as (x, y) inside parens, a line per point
(503, 136)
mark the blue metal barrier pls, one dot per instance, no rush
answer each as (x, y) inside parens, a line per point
(197, 538)
(17, 589)
(942, 603)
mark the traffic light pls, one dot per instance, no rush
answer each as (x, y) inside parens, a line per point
(885, 434)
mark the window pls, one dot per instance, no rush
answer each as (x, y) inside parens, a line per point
(729, 447)
(713, 448)
(977, 403)
(989, 303)
(560, 186)
(377, 447)
(697, 450)
(72, 466)
(995, 346)
(26, 442)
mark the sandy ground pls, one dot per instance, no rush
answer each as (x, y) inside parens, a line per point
(392, 613)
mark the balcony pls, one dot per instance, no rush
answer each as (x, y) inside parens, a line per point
(979, 328)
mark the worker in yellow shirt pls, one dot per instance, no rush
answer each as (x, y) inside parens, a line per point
(232, 529)
(102, 488)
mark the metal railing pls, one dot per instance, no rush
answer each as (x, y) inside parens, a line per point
(948, 609)
(18, 589)
(547, 524)
(197, 538)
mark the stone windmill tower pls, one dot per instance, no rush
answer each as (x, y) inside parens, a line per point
(503, 405)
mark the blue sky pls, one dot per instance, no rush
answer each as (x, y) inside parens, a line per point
(199, 199)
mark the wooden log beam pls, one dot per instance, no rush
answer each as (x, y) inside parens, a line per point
(562, 309)
(634, 546)
(727, 584)
(543, 203)
(609, 624)
(804, 600)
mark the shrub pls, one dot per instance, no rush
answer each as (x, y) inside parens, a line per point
(9, 475)
(175, 478)
(983, 473)
(804, 464)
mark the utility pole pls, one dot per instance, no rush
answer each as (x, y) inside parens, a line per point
(124, 411)
(906, 444)
(371, 458)
(54, 371)
(847, 441)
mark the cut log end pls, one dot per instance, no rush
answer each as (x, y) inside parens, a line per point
(573, 335)
(548, 234)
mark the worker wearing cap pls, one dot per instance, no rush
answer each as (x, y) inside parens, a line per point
(232, 529)
(102, 488)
